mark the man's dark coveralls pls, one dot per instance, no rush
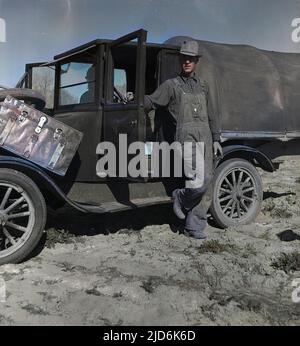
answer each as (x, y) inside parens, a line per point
(187, 100)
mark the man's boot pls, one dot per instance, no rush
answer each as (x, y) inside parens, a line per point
(177, 228)
(177, 206)
(199, 234)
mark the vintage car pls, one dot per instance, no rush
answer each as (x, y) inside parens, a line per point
(98, 89)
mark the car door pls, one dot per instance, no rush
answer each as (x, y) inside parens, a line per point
(124, 90)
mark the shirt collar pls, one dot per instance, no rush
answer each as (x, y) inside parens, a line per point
(185, 79)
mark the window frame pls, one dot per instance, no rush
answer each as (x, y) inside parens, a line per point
(74, 85)
(27, 83)
(98, 84)
(140, 66)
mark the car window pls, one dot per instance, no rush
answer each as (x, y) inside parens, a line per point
(77, 83)
(123, 74)
(43, 79)
(120, 83)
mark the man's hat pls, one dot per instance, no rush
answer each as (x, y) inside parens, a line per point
(190, 48)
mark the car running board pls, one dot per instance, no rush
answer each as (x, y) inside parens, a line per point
(111, 207)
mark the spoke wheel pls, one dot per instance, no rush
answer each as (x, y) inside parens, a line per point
(237, 193)
(22, 216)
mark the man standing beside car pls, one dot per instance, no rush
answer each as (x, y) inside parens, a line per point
(187, 99)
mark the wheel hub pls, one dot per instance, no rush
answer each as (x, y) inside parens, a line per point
(236, 194)
(3, 217)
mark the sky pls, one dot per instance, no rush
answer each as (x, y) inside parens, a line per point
(36, 30)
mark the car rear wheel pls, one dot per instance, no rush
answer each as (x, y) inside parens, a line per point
(237, 194)
(22, 216)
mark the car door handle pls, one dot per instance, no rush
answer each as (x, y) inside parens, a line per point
(133, 122)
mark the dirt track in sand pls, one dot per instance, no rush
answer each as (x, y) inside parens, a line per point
(132, 269)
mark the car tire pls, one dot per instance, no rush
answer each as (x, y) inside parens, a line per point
(23, 216)
(28, 95)
(237, 193)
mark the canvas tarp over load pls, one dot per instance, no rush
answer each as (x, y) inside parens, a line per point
(256, 93)
(37, 137)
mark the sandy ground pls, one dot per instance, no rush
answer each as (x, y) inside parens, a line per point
(131, 269)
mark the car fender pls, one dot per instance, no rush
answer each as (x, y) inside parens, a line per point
(253, 155)
(39, 176)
